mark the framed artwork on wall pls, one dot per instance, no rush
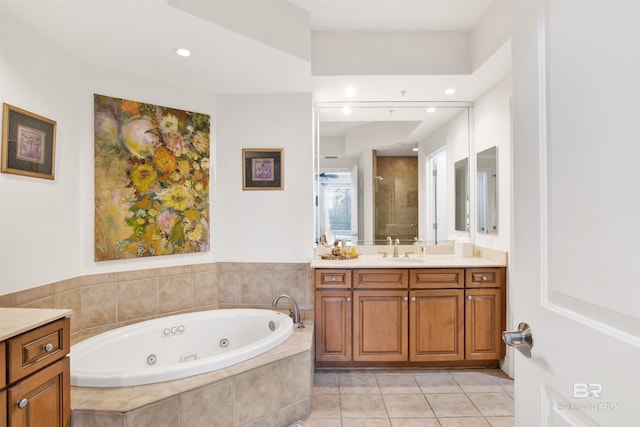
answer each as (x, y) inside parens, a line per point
(28, 143)
(262, 168)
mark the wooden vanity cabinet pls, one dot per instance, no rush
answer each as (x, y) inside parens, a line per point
(409, 316)
(485, 313)
(333, 326)
(38, 390)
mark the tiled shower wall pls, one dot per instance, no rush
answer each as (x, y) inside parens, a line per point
(106, 301)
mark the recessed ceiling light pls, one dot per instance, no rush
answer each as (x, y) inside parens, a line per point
(346, 110)
(449, 91)
(183, 52)
(350, 92)
(431, 110)
(415, 149)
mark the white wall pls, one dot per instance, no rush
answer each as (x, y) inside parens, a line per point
(46, 227)
(492, 127)
(264, 226)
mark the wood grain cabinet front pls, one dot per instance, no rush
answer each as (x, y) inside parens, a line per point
(37, 390)
(333, 326)
(484, 323)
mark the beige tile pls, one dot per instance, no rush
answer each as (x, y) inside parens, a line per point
(414, 422)
(71, 300)
(67, 285)
(201, 268)
(28, 296)
(174, 271)
(322, 422)
(268, 420)
(407, 405)
(98, 305)
(292, 283)
(205, 288)
(362, 406)
(175, 293)
(136, 299)
(256, 288)
(257, 393)
(48, 302)
(501, 421)
(210, 406)
(493, 404)
(295, 378)
(325, 406)
(463, 422)
(161, 414)
(390, 383)
(452, 405)
(290, 414)
(325, 383)
(358, 384)
(437, 383)
(476, 381)
(127, 276)
(365, 422)
(229, 287)
(99, 279)
(97, 419)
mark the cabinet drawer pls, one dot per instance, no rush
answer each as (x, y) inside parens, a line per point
(484, 277)
(380, 278)
(333, 279)
(33, 350)
(437, 278)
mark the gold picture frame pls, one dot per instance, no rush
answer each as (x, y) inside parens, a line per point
(28, 143)
(262, 168)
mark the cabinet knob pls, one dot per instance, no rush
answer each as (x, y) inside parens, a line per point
(348, 299)
(22, 403)
(333, 279)
(469, 297)
(413, 299)
(406, 298)
(47, 347)
(484, 278)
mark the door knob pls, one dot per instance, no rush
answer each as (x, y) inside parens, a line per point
(521, 340)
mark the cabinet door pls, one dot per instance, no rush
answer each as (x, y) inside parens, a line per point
(437, 325)
(3, 407)
(380, 326)
(333, 326)
(483, 324)
(42, 399)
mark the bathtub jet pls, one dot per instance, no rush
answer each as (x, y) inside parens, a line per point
(176, 346)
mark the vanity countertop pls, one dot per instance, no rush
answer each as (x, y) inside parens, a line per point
(426, 261)
(14, 321)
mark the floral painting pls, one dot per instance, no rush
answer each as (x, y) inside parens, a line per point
(151, 179)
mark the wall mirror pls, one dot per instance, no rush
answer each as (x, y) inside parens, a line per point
(461, 188)
(387, 170)
(487, 190)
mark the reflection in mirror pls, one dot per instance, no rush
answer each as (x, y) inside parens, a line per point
(462, 194)
(487, 195)
(372, 170)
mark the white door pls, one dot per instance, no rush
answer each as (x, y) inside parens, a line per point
(575, 266)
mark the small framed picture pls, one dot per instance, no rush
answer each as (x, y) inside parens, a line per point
(28, 143)
(262, 168)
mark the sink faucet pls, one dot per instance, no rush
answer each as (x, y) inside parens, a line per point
(294, 312)
(395, 248)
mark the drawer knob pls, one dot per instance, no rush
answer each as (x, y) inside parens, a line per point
(22, 403)
(333, 279)
(48, 347)
(484, 278)
(348, 299)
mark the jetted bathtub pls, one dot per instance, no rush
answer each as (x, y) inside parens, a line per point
(176, 346)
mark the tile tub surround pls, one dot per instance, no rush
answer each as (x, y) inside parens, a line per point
(273, 389)
(107, 301)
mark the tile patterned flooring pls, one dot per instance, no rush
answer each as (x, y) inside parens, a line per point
(415, 398)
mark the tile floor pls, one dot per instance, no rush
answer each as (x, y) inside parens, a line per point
(416, 398)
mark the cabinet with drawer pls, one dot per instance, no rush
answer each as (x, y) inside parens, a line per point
(36, 391)
(409, 316)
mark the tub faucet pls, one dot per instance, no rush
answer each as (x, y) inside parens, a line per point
(294, 312)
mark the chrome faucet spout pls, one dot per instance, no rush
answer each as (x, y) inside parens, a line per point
(294, 311)
(395, 248)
